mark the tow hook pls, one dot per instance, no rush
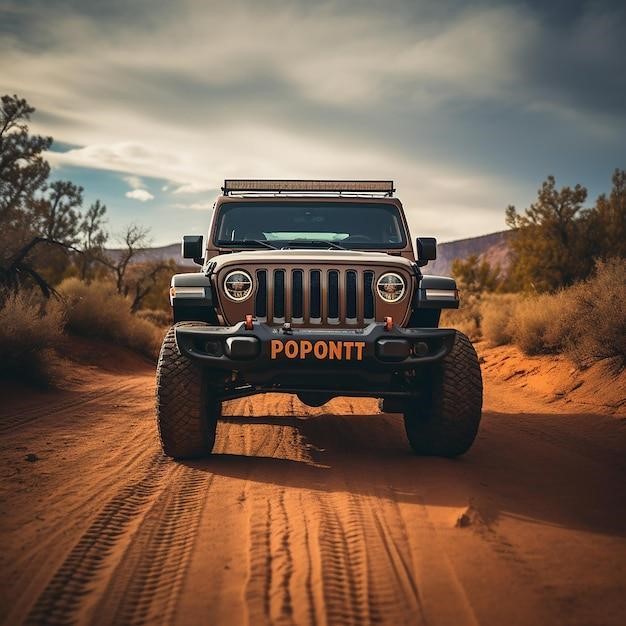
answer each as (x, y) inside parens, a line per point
(389, 323)
(249, 322)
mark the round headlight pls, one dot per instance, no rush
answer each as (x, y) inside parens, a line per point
(390, 287)
(238, 285)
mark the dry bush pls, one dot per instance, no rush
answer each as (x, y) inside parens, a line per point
(497, 318)
(595, 324)
(96, 310)
(465, 319)
(538, 323)
(158, 317)
(30, 331)
(586, 321)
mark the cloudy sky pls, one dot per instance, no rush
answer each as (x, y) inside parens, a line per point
(467, 106)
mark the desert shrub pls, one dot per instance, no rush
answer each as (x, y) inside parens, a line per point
(497, 318)
(537, 324)
(587, 321)
(466, 318)
(595, 320)
(158, 317)
(96, 310)
(30, 330)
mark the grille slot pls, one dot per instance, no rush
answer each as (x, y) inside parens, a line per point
(315, 297)
(279, 294)
(333, 294)
(296, 294)
(260, 303)
(368, 296)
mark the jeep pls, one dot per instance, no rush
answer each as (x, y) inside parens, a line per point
(313, 288)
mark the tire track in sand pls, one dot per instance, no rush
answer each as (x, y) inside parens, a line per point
(366, 576)
(64, 597)
(16, 420)
(145, 585)
(326, 559)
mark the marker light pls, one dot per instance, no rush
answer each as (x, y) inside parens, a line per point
(187, 292)
(442, 294)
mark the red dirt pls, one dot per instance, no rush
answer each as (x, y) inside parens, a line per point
(314, 516)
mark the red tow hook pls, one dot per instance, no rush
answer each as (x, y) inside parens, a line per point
(389, 323)
(248, 322)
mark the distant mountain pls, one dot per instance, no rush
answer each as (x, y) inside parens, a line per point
(162, 253)
(492, 247)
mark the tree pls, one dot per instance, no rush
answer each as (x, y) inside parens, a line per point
(144, 279)
(548, 241)
(40, 222)
(93, 237)
(23, 170)
(50, 218)
(606, 222)
(133, 279)
(475, 276)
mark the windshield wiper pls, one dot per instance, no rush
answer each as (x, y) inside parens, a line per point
(315, 242)
(246, 242)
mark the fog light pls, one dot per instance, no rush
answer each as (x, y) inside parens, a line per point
(421, 348)
(213, 347)
(392, 349)
(243, 348)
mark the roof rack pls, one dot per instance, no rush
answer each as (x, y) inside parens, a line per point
(240, 186)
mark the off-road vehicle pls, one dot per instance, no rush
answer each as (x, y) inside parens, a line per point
(313, 288)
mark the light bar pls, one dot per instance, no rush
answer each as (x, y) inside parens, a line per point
(308, 186)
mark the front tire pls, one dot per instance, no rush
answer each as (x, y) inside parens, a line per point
(186, 408)
(444, 420)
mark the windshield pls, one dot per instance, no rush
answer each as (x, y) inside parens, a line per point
(347, 225)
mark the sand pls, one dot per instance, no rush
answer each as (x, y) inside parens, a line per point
(313, 516)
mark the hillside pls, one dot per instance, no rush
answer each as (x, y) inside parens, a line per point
(493, 247)
(160, 253)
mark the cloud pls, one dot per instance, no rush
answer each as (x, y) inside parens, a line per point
(461, 104)
(139, 194)
(134, 182)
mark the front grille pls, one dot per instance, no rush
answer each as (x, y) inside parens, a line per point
(307, 297)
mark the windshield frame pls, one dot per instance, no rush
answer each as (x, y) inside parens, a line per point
(390, 203)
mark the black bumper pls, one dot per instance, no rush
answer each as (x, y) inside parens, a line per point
(273, 348)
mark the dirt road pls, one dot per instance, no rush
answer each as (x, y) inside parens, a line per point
(306, 516)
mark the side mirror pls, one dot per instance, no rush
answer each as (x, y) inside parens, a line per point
(192, 248)
(426, 250)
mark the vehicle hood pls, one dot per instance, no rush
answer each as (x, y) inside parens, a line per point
(310, 257)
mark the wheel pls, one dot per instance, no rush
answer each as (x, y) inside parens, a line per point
(444, 420)
(186, 408)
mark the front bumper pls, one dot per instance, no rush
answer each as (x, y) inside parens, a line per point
(266, 347)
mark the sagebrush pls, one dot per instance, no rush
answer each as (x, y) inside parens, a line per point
(31, 329)
(586, 321)
(96, 310)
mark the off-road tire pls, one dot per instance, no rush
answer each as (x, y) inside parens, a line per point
(186, 408)
(444, 420)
